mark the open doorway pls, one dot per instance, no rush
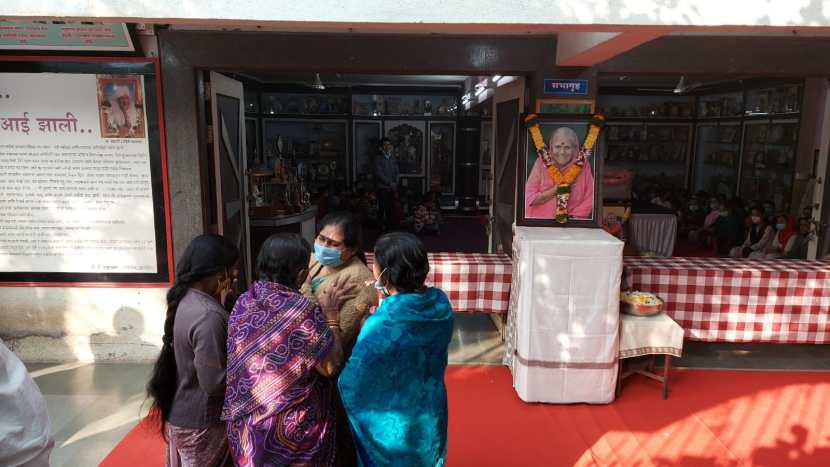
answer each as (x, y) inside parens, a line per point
(311, 141)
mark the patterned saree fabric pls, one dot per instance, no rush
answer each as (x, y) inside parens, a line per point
(393, 384)
(278, 408)
(203, 447)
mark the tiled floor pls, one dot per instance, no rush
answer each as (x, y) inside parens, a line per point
(93, 406)
(475, 341)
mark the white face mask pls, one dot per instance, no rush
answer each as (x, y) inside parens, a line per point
(379, 286)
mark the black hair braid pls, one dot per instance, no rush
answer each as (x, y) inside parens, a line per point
(162, 385)
(205, 255)
(174, 296)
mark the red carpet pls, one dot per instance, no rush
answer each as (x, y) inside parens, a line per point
(712, 418)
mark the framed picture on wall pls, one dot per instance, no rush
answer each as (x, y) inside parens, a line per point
(559, 183)
(565, 106)
(365, 140)
(408, 140)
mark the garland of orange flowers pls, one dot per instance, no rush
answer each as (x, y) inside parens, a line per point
(563, 180)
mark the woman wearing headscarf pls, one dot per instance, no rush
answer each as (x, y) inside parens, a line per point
(282, 349)
(783, 242)
(188, 381)
(393, 383)
(540, 190)
(728, 229)
(800, 242)
(758, 237)
(122, 115)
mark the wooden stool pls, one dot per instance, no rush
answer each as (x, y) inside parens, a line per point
(648, 371)
(652, 336)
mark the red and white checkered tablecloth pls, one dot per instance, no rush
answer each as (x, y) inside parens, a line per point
(739, 300)
(474, 282)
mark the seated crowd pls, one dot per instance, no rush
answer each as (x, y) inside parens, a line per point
(304, 368)
(733, 228)
(411, 211)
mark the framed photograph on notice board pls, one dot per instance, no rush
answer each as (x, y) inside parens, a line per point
(565, 106)
(558, 178)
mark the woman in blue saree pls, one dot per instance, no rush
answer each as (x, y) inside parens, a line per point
(393, 384)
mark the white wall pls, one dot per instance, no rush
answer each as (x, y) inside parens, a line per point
(421, 14)
(56, 324)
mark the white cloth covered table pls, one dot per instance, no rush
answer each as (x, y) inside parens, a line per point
(563, 321)
(650, 335)
(653, 233)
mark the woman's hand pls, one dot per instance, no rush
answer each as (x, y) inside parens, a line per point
(333, 298)
(227, 296)
(372, 295)
(545, 196)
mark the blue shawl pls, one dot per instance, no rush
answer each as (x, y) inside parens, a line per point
(393, 384)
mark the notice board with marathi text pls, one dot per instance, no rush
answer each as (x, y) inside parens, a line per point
(83, 185)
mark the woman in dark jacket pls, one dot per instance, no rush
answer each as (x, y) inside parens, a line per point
(188, 381)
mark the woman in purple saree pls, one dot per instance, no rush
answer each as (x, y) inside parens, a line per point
(281, 350)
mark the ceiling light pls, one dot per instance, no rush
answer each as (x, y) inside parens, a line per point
(496, 79)
(681, 86)
(318, 83)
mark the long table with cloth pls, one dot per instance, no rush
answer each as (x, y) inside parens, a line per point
(563, 325)
(474, 282)
(739, 300)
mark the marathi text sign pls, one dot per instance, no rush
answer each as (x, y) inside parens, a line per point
(76, 190)
(566, 87)
(57, 35)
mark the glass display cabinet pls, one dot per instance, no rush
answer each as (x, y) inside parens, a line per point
(717, 157)
(768, 160)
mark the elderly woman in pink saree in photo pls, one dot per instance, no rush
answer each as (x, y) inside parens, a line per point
(540, 191)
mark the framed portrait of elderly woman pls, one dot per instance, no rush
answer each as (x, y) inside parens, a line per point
(559, 172)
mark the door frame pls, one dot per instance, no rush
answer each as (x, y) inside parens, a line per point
(513, 90)
(221, 84)
(821, 196)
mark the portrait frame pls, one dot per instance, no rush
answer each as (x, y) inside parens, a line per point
(565, 106)
(548, 123)
(106, 85)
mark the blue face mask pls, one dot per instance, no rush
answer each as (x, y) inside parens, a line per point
(780, 226)
(327, 256)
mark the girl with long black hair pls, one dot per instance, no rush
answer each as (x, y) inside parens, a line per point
(187, 386)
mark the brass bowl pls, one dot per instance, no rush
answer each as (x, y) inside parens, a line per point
(641, 310)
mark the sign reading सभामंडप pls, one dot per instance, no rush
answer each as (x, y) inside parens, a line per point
(76, 191)
(59, 35)
(566, 87)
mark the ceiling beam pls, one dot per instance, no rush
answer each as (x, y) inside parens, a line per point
(429, 15)
(725, 56)
(586, 49)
